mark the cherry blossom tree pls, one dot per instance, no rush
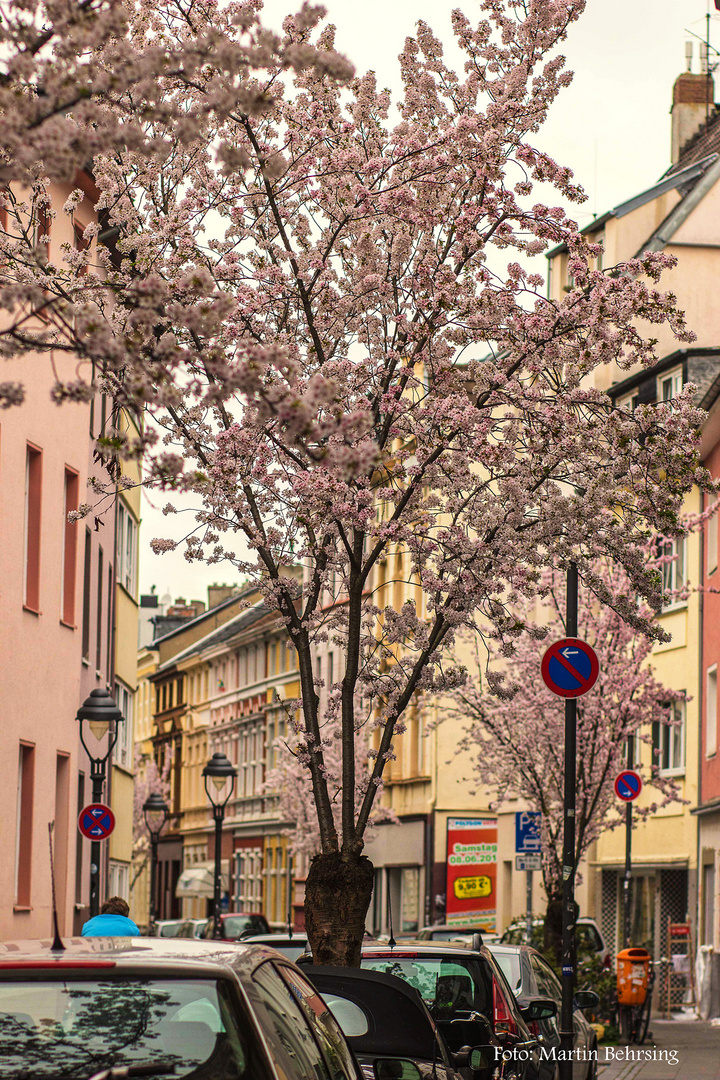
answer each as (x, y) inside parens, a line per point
(149, 780)
(319, 310)
(81, 77)
(515, 725)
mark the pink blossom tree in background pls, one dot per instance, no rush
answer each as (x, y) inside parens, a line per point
(149, 780)
(515, 725)
(318, 304)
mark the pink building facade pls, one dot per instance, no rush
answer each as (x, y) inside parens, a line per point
(57, 616)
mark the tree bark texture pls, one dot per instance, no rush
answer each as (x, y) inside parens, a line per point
(337, 897)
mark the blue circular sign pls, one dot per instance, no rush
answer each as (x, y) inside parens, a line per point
(570, 667)
(628, 785)
(96, 821)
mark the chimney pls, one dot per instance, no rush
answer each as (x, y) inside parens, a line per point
(693, 101)
(218, 593)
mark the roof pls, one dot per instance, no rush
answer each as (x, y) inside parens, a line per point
(685, 180)
(204, 615)
(705, 141)
(243, 621)
(702, 370)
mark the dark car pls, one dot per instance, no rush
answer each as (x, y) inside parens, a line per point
(530, 975)
(238, 925)
(292, 947)
(468, 997)
(387, 1024)
(209, 1011)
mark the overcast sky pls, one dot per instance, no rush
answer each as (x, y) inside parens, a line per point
(611, 127)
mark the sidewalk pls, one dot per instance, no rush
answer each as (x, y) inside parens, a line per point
(687, 1050)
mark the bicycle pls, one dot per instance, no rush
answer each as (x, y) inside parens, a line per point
(634, 1020)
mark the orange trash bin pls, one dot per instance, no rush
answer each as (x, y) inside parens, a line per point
(633, 966)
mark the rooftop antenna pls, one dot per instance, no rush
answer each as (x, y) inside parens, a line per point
(688, 55)
(391, 941)
(57, 945)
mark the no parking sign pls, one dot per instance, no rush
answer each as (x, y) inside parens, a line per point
(570, 667)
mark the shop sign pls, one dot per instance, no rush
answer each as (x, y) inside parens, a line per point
(472, 873)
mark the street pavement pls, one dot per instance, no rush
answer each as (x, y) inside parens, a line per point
(687, 1050)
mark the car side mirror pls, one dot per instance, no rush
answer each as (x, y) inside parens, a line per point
(470, 1057)
(396, 1069)
(587, 999)
(538, 1008)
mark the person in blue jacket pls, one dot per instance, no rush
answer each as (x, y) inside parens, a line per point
(112, 921)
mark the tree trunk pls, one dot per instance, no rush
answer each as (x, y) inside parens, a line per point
(337, 897)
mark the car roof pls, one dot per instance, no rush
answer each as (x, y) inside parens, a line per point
(166, 956)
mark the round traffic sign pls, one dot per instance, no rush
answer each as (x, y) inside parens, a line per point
(96, 821)
(570, 667)
(628, 785)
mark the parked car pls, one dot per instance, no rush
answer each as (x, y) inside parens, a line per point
(292, 947)
(238, 924)
(167, 928)
(468, 997)
(588, 937)
(530, 975)
(190, 1008)
(387, 1025)
(446, 932)
(192, 928)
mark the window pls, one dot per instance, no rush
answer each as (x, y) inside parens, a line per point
(24, 824)
(668, 740)
(86, 598)
(109, 647)
(69, 548)
(672, 552)
(99, 625)
(670, 385)
(711, 539)
(118, 879)
(80, 243)
(288, 1034)
(123, 747)
(711, 711)
(126, 548)
(629, 403)
(33, 497)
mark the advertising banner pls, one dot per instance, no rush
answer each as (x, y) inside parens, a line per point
(472, 873)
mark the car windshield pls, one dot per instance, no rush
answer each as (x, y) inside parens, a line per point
(76, 1027)
(448, 986)
(233, 925)
(510, 967)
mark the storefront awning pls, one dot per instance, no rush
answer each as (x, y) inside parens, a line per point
(199, 880)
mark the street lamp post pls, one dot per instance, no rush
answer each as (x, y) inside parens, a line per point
(102, 715)
(569, 909)
(156, 813)
(218, 770)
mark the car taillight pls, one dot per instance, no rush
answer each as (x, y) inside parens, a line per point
(503, 1019)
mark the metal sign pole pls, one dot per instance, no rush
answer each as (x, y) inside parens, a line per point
(628, 851)
(568, 861)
